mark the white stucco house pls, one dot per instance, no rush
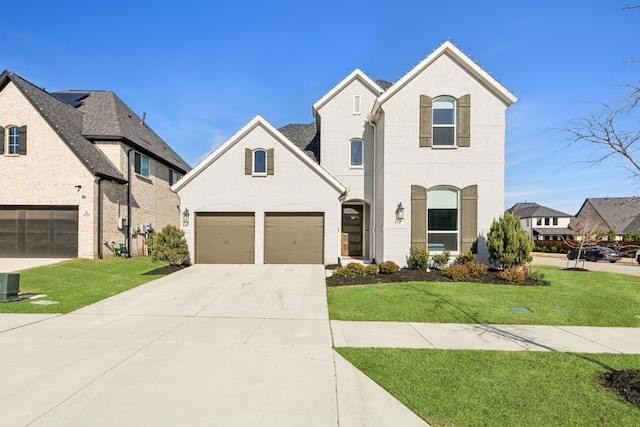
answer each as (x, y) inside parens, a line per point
(383, 167)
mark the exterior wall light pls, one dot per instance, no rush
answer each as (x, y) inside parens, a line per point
(185, 217)
(400, 213)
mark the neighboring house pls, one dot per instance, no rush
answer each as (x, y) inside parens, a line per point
(82, 173)
(383, 167)
(542, 223)
(621, 214)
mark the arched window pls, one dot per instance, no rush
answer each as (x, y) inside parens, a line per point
(259, 162)
(442, 219)
(355, 153)
(444, 121)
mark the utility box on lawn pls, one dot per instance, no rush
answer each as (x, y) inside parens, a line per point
(9, 286)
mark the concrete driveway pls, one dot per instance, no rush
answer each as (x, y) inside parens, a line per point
(9, 265)
(624, 266)
(209, 345)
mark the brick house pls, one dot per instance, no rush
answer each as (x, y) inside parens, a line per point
(383, 167)
(83, 173)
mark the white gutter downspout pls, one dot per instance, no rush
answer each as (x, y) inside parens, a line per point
(373, 199)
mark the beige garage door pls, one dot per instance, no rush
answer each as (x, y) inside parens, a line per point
(293, 238)
(225, 238)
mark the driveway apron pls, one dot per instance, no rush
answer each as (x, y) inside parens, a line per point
(207, 346)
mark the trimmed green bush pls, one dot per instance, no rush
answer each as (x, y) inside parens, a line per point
(466, 257)
(371, 270)
(441, 261)
(388, 267)
(465, 272)
(169, 245)
(419, 259)
(509, 245)
(350, 270)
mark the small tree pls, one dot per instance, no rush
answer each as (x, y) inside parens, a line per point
(170, 246)
(509, 245)
(612, 235)
(586, 232)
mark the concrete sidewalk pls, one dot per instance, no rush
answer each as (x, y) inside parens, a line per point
(581, 339)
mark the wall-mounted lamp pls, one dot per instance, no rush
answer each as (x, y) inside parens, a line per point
(185, 217)
(400, 212)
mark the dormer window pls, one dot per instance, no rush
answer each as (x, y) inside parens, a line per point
(259, 162)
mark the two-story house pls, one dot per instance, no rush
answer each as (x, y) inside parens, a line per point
(82, 174)
(383, 167)
(543, 223)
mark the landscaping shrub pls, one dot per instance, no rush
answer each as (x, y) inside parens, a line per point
(509, 245)
(371, 270)
(441, 261)
(466, 257)
(351, 270)
(419, 259)
(514, 274)
(465, 272)
(388, 267)
(169, 245)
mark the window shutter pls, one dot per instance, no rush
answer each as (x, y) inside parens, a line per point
(426, 121)
(270, 161)
(248, 161)
(469, 216)
(1, 140)
(418, 217)
(464, 121)
(22, 134)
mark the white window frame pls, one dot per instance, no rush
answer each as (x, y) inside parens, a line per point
(253, 162)
(457, 232)
(13, 141)
(351, 164)
(454, 126)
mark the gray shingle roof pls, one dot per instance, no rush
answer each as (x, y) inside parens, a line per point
(534, 210)
(384, 85)
(107, 117)
(620, 213)
(305, 137)
(67, 122)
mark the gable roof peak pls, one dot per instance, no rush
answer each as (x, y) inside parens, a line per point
(356, 74)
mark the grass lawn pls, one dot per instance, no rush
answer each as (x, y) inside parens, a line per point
(79, 282)
(497, 388)
(574, 298)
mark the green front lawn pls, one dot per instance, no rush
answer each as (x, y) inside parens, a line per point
(574, 298)
(79, 282)
(497, 388)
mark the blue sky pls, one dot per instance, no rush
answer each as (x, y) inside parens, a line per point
(202, 69)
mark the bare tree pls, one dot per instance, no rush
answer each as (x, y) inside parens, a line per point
(587, 232)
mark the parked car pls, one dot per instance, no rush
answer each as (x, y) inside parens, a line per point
(595, 253)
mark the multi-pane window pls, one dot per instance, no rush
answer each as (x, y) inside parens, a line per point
(259, 162)
(355, 155)
(444, 121)
(141, 164)
(14, 140)
(442, 219)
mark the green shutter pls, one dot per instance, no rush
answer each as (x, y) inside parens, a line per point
(1, 140)
(248, 161)
(426, 121)
(22, 135)
(464, 121)
(469, 217)
(418, 216)
(270, 161)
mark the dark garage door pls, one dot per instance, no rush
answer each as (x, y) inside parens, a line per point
(38, 231)
(293, 238)
(225, 238)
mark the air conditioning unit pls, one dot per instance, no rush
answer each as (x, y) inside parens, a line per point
(122, 223)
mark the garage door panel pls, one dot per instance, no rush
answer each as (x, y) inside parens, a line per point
(38, 231)
(294, 238)
(225, 238)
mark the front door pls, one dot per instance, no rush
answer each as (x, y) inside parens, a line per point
(352, 219)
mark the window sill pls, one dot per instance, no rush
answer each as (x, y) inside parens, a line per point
(12, 155)
(444, 147)
(356, 167)
(144, 178)
(259, 175)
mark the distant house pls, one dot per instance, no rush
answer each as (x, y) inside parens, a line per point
(82, 174)
(383, 167)
(542, 223)
(621, 214)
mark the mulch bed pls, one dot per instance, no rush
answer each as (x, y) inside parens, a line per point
(166, 270)
(626, 384)
(406, 275)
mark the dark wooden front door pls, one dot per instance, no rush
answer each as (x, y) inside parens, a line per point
(351, 240)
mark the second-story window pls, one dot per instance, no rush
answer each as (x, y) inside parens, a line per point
(259, 162)
(444, 123)
(173, 177)
(355, 155)
(141, 164)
